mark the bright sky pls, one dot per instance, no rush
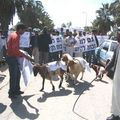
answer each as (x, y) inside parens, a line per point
(79, 12)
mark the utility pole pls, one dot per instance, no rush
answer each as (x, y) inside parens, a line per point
(85, 18)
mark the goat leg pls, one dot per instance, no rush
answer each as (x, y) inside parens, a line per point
(43, 82)
(53, 87)
(61, 81)
(82, 76)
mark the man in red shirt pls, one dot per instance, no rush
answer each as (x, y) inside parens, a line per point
(13, 53)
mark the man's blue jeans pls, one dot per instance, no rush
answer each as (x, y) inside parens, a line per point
(15, 75)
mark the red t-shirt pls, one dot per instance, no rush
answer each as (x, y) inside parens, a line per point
(13, 45)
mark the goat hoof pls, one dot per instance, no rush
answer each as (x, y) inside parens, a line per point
(59, 86)
(53, 88)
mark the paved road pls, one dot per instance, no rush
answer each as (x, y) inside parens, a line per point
(89, 100)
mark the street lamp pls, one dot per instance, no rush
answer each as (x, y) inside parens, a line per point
(85, 17)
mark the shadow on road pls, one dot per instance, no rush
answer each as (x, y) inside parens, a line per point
(2, 77)
(2, 108)
(20, 109)
(80, 87)
(99, 80)
(46, 95)
(4, 68)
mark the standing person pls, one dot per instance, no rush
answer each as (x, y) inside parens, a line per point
(115, 63)
(94, 33)
(78, 39)
(91, 53)
(30, 46)
(55, 54)
(74, 32)
(26, 37)
(85, 53)
(70, 43)
(43, 44)
(13, 54)
(62, 32)
(34, 45)
(60, 39)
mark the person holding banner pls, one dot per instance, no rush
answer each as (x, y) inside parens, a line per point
(78, 50)
(85, 55)
(94, 37)
(12, 56)
(90, 53)
(25, 41)
(54, 55)
(94, 32)
(70, 43)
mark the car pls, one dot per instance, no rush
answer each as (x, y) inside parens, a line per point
(104, 54)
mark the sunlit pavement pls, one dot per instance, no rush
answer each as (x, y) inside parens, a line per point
(88, 100)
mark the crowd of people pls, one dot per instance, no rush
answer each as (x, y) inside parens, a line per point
(38, 52)
(38, 49)
(39, 41)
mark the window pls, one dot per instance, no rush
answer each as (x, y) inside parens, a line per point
(113, 46)
(106, 46)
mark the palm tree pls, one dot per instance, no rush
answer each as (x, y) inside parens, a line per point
(7, 11)
(30, 12)
(115, 12)
(34, 15)
(103, 21)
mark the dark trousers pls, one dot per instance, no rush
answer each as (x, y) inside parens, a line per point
(90, 56)
(15, 75)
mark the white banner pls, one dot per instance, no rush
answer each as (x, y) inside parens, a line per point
(83, 44)
(26, 68)
(87, 43)
(56, 44)
(25, 40)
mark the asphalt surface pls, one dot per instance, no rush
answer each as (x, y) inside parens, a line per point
(88, 100)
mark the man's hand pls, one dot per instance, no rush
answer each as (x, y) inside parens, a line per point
(29, 58)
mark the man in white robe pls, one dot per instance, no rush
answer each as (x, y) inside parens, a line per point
(115, 62)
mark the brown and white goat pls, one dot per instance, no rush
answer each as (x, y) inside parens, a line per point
(45, 73)
(76, 66)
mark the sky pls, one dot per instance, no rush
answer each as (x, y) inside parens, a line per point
(80, 12)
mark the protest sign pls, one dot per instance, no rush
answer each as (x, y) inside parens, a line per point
(86, 43)
(25, 40)
(56, 44)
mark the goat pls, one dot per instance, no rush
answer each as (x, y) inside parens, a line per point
(45, 72)
(76, 66)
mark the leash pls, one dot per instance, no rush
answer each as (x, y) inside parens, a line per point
(78, 99)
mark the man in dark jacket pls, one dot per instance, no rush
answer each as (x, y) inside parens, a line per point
(43, 44)
(34, 45)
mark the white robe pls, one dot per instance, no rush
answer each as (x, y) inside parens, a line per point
(115, 109)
